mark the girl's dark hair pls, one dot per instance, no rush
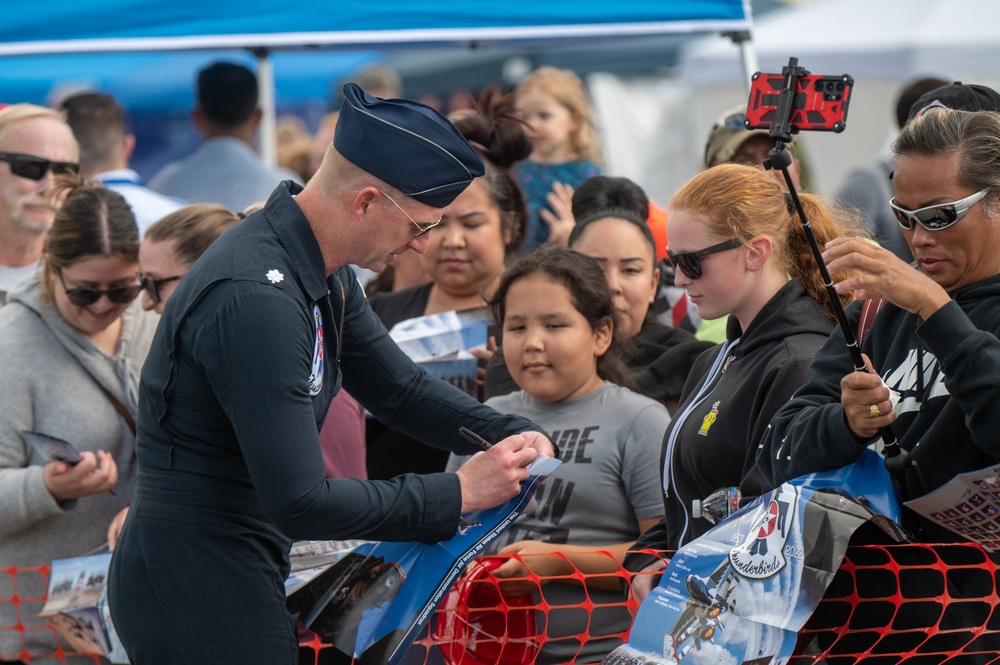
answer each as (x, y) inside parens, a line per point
(194, 227)
(601, 197)
(92, 221)
(501, 138)
(588, 288)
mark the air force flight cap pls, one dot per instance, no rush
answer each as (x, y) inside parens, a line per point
(407, 144)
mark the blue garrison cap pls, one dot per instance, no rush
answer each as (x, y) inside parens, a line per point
(407, 144)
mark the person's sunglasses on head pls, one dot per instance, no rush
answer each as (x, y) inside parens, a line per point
(33, 167)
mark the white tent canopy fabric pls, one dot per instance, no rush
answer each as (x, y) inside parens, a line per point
(884, 39)
(883, 44)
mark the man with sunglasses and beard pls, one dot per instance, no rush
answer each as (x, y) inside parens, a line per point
(932, 351)
(36, 144)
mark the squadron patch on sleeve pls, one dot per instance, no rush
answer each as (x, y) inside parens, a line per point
(316, 374)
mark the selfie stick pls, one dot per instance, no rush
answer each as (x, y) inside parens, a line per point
(897, 460)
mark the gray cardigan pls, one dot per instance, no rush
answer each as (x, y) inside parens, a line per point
(49, 376)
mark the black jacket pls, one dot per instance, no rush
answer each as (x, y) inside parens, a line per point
(728, 400)
(946, 369)
(661, 359)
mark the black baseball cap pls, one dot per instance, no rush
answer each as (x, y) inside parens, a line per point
(958, 96)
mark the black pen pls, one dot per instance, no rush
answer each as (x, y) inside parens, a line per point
(469, 435)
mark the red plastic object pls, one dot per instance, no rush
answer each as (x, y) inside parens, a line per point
(476, 625)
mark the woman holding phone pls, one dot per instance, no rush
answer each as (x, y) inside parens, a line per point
(72, 342)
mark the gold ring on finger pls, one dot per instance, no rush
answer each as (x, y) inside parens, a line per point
(874, 411)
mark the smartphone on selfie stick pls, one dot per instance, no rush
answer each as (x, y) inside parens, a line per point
(786, 104)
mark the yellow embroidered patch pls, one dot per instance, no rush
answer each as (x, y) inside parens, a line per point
(709, 418)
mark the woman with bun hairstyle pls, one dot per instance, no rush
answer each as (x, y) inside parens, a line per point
(467, 255)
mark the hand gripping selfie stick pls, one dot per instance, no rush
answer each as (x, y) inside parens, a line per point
(905, 472)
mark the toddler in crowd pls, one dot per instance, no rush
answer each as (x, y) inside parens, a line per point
(565, 151)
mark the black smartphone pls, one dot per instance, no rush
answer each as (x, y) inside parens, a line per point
(52, 448)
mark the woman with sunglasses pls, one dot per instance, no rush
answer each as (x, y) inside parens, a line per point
(739, 249)
(932, 350)
(173, 243)
(72, 343)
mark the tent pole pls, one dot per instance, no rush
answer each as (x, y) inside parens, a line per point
(268, 133)
(748, 55)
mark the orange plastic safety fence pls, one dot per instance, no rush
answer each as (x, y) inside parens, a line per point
(918, 604)
(23, 636)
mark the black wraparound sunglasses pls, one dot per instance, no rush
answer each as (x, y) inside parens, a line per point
(35, 168)
(689, 263)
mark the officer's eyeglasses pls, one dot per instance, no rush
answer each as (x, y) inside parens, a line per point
(422, 227)
(83, 297)
(152, 286)
(689, 263)
(938, 216)
(35, 168)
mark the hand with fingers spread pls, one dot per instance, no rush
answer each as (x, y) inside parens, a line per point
(492, 477)
(865, 398)
(94, 474)
(559, 214)
(878, 273)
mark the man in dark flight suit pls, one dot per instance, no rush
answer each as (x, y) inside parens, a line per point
(245, 361)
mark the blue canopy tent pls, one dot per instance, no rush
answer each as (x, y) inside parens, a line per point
(125, 39)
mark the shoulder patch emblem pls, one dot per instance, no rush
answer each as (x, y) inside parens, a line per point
(316, 375)
(709, 418)
(275, 276)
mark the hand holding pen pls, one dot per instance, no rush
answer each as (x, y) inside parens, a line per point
(494, 476)
(471, 436)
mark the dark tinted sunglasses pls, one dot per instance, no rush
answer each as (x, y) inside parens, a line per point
(82, 297)
(152, 286)
(689, 263)
(936, 217)
(35, 168)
